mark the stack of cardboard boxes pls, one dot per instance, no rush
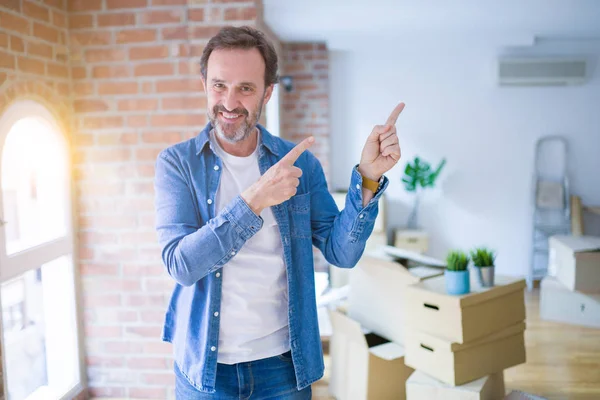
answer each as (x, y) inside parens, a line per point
(571, 292)
(400, 336)
(366, 348)
(460, 345)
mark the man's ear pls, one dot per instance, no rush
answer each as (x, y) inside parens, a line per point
(268, 93)
(203, 82)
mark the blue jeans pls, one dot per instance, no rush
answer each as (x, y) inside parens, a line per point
(269, 378)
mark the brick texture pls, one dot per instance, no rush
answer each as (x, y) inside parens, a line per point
(34, 56)
(122, 77)
(137, 90)
(306, 108)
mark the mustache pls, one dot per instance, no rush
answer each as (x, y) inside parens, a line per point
(220, 108)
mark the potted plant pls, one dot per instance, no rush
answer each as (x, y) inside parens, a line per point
(483, 260)
(419, 176)
(456, 273)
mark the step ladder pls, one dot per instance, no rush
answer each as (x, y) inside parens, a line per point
(551, 202)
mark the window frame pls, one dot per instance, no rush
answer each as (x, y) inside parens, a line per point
(32, 258)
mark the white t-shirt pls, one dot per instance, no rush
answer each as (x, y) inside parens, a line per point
(254, 302)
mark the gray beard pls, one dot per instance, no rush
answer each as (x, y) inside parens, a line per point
(242, 132)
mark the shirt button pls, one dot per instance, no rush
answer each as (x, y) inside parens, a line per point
(233, 253)
(216, 167)
(361, 216)
(216, 314)
(357, 186)
(218, 274)
(209, 201)
(213, 348)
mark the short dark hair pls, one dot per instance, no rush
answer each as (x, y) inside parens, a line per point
(244, 37)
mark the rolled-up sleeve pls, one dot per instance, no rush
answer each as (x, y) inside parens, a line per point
(342, 236)
(190, 248)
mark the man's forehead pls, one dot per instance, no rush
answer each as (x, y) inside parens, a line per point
(236, 65)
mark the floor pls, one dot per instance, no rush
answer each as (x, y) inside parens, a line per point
(563, 361)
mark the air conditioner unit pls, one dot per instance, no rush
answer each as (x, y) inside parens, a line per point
(541, 71)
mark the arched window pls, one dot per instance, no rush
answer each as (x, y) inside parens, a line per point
(40, 340)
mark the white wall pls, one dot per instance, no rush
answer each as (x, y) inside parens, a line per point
(454, 109)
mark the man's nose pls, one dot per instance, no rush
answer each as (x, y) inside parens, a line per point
(230, 101)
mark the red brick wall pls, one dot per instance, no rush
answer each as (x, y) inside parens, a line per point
(34, 55)
(122, 77)
(306, 109)
(137, 90)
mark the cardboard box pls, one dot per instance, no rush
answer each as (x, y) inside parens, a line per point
(521, 395)
(421, 386)
(375, 297)
(575, 261)
(414, 240)
(558, 303)
(468, 317)
(456, 364)
(365, 365)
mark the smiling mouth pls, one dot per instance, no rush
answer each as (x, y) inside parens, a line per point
(231, 117)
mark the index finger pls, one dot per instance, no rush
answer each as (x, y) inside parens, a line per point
(394, 115)
(291, 157)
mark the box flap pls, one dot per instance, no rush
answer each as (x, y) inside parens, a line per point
(413, 256)
(421, 378)
(578, 244)
(552, 282)
(426, 272)
(379, 268)
(436, 288)
(348, 327)
(387, 268)
(434, 343)
(388, 351)
(549, 282)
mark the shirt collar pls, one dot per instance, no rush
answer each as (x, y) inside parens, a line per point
(266, 139)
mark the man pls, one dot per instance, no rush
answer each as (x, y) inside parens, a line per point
(238, 211)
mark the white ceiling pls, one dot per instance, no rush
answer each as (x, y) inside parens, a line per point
(344, 24)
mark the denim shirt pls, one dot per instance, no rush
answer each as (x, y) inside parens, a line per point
(197, 242)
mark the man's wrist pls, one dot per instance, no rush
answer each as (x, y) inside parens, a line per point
(252, 202)
(368, 174)
(370, 185)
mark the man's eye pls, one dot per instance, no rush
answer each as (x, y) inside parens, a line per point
(219, 86)
(246, 89)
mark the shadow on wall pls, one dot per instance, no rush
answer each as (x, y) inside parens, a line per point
(591, 224)
(396, 217)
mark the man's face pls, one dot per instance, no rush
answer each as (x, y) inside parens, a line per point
(235, 89)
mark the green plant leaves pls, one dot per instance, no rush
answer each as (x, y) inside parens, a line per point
(483, 257)
(457, 260)
(419, 173)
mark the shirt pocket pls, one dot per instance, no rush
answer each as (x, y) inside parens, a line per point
(299, 208)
